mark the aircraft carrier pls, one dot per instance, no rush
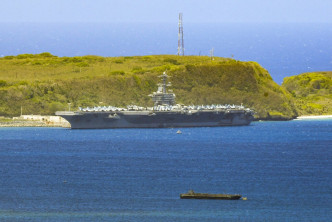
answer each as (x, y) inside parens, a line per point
(164, 114)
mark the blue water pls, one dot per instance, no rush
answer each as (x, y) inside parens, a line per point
(55, 174)
(282, 49)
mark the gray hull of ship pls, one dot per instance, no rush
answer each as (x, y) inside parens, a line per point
(161, 119)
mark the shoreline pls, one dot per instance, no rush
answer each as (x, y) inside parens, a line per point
(30, 124)
(64, 124)
(33, 121)
(314, 117)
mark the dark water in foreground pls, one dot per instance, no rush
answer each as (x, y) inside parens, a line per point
(54, 174)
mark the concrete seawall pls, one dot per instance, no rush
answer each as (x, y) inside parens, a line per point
(34, 121)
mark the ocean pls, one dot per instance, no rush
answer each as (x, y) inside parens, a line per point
(57, 174)
(281, 48)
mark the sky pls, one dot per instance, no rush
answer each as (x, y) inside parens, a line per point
(157, 11)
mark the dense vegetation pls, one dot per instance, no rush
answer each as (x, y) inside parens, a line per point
(312, 92)
(43, 83)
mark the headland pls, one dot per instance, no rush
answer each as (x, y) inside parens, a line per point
(44, 83)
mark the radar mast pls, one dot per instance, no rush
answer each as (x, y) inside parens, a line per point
(163, 96)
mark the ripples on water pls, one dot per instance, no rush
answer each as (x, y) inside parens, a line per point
(54, 174)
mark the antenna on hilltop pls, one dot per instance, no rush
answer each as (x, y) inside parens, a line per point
(212, 53)
(180, 40)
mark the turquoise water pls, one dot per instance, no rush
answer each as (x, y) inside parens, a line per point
(55, 174)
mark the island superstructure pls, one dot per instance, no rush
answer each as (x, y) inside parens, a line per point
(164, 114)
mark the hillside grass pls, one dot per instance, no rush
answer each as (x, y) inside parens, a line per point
(43, 83)
(312, 92)
(45, 66)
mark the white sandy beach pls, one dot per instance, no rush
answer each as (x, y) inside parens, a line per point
(314, 117)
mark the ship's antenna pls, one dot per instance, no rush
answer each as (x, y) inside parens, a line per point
(164, 82)
(180, 35)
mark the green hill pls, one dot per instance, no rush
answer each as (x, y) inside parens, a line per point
(43, 83)
(312, 92)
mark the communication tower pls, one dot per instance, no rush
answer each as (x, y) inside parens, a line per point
(212, 53)
(180, 40)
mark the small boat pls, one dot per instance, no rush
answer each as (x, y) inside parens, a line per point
(192, 195)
